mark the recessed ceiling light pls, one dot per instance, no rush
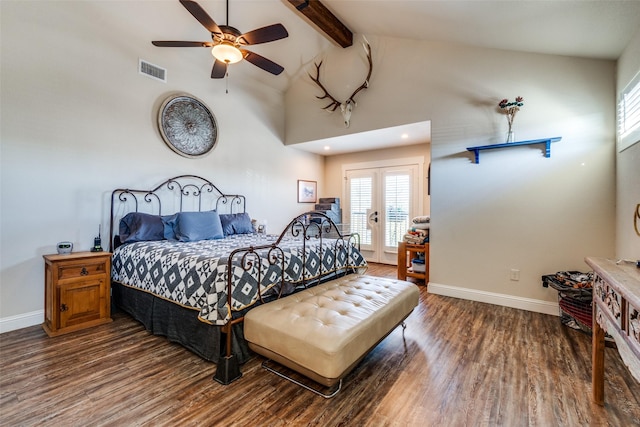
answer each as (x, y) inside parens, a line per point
(327, 148)
(405, 135)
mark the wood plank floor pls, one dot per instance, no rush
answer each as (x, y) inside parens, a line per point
(460, 363)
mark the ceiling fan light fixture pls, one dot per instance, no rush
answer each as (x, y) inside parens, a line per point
(226, 52)
(227, 43)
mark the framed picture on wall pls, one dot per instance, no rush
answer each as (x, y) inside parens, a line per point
(307, 191)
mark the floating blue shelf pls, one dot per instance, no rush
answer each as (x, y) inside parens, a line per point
(546, 141)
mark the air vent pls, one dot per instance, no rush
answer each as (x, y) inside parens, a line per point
(153, 71)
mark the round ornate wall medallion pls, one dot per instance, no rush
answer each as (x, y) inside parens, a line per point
(187, 125)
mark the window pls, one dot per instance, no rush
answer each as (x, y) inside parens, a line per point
(629, 114)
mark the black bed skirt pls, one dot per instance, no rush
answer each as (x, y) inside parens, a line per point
(179, 324)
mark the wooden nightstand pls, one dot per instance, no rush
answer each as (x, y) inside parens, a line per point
(77, 291)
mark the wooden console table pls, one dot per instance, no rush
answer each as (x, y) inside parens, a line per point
(404, 262)
(616, 305)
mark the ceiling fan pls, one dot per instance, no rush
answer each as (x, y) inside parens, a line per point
(227, 42)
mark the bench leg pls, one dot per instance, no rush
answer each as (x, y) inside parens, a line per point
(266, 366)
(404, 339)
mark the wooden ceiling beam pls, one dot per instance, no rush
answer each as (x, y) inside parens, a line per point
(322, 17)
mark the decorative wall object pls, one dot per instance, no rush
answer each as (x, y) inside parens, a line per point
(636, 219)
(307, 191)
(346, 107)
(187, 125)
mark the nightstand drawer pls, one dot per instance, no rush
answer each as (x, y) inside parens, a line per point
(81, 269)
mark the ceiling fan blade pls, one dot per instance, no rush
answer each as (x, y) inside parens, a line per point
(264, 34)
(219, 70)
(262, 62)
(202, 16)
(181, 44)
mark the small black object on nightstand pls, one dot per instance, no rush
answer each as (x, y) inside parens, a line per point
(97, 242)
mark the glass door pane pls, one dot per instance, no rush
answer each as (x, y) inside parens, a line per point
(397, 199)
(360, 203)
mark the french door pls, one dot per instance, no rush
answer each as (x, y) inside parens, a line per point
(380, 203)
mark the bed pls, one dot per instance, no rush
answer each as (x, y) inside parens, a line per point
(192, 282)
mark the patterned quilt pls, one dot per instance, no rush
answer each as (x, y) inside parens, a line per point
(194, 274)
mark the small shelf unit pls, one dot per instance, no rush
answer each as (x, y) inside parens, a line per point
(404, 261)
(546, 141)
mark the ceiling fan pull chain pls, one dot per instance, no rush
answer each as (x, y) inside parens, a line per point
(226, 80)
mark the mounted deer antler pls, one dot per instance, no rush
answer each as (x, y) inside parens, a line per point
(346, 107)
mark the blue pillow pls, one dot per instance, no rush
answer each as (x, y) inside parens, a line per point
(193, 226)
(138, 227)
(239, 223)
(169, 222)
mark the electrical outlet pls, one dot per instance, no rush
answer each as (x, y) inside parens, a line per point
(515, 275)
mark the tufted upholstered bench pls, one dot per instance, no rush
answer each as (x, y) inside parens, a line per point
(324, 331)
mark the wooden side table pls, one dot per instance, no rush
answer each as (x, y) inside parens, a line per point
(404, 262)
(616, 311)
(77, 291)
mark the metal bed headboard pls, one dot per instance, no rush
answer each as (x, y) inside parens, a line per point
(178, 194)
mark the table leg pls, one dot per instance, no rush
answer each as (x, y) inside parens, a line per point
(402, 261)
(597, 363)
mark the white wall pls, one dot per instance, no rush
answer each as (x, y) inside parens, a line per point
(78, 121)
(628, 166)
(516, 209)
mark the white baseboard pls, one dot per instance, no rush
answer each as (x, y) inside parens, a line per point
(521, 303)
(20, 321)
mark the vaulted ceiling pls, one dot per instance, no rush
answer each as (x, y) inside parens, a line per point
(591, 29)
(598, 29)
